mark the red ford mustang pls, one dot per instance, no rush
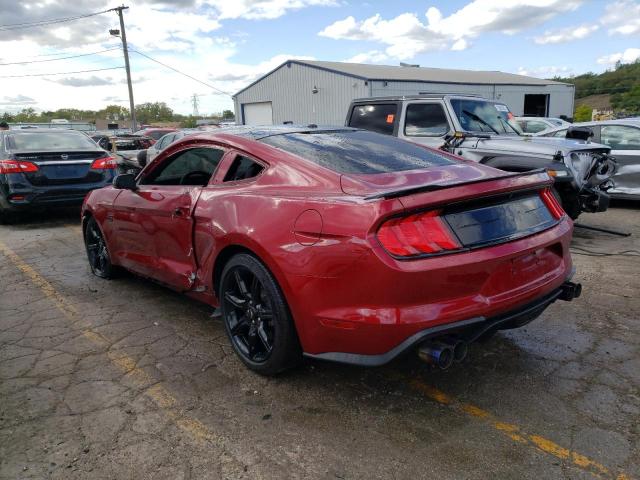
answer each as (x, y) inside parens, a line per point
(338, 244)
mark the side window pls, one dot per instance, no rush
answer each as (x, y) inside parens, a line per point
(165, 141)
(535, 127)
(425, 119)
(189, 167)
(242, 168)
(560, 133)
(620, 137)
(375, 117)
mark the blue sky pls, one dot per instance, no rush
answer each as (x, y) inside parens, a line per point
(229, 43)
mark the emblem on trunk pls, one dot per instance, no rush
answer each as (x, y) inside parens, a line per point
(64, 156)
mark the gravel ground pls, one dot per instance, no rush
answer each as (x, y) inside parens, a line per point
(125, 379)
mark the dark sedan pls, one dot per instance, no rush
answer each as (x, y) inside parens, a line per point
(42, 168)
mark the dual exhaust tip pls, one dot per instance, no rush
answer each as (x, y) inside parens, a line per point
(443, 352)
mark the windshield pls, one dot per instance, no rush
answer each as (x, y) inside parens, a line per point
(484, 116)
(51, 141)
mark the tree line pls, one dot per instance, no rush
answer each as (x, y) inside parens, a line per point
(146, 113)
(622, 83)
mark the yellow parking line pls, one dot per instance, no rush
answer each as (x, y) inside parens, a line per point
(517, 434)
(157, 393)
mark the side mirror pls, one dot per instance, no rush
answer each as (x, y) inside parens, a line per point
(125, 181)
(142, 158)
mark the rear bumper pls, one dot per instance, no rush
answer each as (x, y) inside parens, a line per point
(470, 330)
(373, 304)
(30, 197)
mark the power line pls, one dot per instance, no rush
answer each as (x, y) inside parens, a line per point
(59, 73)
(42, 23)
(182, 73)
(61, 58)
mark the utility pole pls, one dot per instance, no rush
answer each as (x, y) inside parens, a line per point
(123, 37)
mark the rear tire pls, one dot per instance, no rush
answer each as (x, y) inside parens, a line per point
(256, 317)
(7, 218)
(97, 252)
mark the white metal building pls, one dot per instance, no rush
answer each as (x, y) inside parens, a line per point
(302, 91)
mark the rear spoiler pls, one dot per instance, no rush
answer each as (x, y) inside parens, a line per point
(431, 188)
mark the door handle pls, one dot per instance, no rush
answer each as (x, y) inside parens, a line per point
(178, 212)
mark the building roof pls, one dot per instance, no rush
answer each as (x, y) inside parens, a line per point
(423, 74)
(416, 74)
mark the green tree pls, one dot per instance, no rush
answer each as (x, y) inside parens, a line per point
(582, 113)
(228, 115)
(189, 122)
(153, 112)
(114, 112)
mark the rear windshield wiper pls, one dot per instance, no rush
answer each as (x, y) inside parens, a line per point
(475, 117)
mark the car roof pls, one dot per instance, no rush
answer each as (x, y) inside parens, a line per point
(420, 97)
(42, 130)
(595, 123)
(263, 131)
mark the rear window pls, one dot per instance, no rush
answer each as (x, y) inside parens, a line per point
(375, 117)
(357, 151)
(50, 141)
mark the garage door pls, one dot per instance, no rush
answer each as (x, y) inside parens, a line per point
(258, 113)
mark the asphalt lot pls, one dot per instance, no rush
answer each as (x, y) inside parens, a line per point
(125, 379)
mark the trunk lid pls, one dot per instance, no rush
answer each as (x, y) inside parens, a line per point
(61, 167)
(470, 204)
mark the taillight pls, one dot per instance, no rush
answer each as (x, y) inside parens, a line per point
(418, 234)
(552, 203)
(17, 166)
(105, 163)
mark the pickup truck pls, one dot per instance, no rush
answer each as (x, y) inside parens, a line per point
(485, 131)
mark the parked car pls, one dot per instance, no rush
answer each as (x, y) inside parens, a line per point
(48, 167)
(164, 142)
(339, 244)
(484, 131)
(533, 125)
(155, 133)
(623, 137)
(127, 147)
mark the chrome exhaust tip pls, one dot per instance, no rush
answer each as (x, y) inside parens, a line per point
(437, 354)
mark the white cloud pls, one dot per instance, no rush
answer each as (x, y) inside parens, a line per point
(630, 55)
(566, 34)
(180, 33)
(622, 17)
(261, 9)
(546, 71)
(372, 56)
(406, 35)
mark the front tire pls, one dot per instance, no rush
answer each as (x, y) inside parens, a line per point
(97, 252)
(256, 317)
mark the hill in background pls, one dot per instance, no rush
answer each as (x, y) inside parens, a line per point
(617, 89)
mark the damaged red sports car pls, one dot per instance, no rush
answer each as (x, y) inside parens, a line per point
(337, 244)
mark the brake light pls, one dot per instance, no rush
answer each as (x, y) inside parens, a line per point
(552, 203)
(105, 163)
(17, 166)
(418, 234)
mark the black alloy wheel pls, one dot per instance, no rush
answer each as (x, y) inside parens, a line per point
(256, 317)
(97, 252)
